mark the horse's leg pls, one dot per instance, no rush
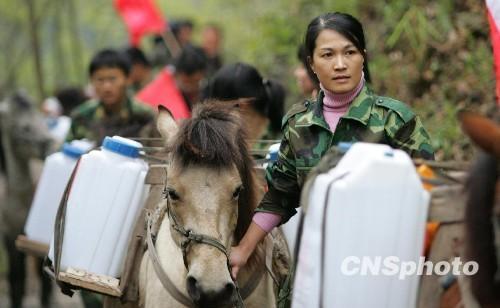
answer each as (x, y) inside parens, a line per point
(45, 283)
(17, 273)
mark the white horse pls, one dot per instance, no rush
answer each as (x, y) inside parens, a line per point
(210, 198)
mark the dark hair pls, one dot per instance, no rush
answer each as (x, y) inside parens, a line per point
(241, 80)
(109, 58)
(302, 56)
(177, 25)
(191, 60)
(137, 56)
(344, 24)
(70, 97)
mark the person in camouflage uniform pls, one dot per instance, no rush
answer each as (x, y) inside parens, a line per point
(113, 112)
(346, 110)
(307, 137)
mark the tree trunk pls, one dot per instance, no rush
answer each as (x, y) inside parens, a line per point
(35, 45)
(76, 45)
(59, 55)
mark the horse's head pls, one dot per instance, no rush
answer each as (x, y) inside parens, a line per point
(210, 193)
(23, 127)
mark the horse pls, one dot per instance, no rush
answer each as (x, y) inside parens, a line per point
(210, 197)
(483, 208)
(24, 136)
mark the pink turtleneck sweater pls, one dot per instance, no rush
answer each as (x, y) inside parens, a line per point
(334, 107)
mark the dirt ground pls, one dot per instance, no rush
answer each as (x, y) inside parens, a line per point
(32, 297)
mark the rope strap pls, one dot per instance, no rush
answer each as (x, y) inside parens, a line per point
(164, 279)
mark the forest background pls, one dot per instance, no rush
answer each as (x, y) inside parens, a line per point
(432, 54)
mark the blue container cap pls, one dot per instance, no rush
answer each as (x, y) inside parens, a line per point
(273, 152)
(72, 151)
(343, 147)
(121, 147)
(273, 156)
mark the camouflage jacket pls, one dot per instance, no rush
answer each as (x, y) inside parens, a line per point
(306, 138)
(91, 121)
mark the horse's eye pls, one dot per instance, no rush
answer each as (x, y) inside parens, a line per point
(237, 192)
(172, 194)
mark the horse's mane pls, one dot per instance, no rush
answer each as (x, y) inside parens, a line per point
(215, 138)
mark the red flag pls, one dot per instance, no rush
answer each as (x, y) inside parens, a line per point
(163, 91)
(140, 17)
(494, 19)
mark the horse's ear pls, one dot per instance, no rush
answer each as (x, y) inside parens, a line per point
(483, 132)
(166, 124)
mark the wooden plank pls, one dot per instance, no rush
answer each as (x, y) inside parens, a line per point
(93, 282)
(447, 204)
(31, 247)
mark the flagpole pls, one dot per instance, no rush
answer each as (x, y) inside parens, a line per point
(171, 42)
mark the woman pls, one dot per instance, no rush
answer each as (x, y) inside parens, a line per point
(266, 99)
(345, 110)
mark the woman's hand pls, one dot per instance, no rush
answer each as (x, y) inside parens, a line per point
(237, 259)
(239, 254)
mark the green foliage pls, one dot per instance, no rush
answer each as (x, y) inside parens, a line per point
(434, 55)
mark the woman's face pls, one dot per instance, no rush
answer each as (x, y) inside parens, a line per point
(337, 62)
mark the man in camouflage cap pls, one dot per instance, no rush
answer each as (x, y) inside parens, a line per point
(113, 112)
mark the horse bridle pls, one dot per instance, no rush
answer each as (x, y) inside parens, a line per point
(189, 238)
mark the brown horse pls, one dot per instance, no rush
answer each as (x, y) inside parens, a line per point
(210, 198)
(482, 209)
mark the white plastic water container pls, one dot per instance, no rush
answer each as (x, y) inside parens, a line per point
(55, 175)
(290, 230)
(107, 194)
(371, 206)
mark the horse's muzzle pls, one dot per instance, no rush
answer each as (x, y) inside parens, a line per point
(225, 297)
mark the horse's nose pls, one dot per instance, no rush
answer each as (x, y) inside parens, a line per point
(203, 297)
(193, 288)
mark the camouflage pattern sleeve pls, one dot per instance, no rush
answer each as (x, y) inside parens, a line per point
(284, 192)
(405, 129)
(411, 137)
(81, 116)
